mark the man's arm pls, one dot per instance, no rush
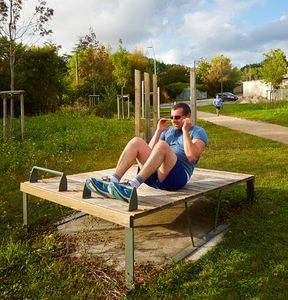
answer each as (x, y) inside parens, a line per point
(193, 148)
(161, 126)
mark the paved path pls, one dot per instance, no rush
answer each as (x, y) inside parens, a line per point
(269, 131)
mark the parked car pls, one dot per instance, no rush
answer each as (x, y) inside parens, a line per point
(227, 96)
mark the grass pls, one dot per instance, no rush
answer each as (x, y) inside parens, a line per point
(251, 262)
(276, 113)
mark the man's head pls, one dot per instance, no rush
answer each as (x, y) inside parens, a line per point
(179, 113)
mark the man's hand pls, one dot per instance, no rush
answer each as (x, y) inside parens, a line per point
(187, 124)
(162, 125)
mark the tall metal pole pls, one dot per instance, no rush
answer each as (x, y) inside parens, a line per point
(222, 79)
(155, 71)
(221, 76)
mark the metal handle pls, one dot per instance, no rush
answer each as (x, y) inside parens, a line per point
(63, 180)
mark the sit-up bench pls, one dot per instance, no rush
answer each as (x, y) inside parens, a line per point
(70, 192)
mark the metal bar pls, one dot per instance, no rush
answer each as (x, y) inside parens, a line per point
(129, 256)
(25, 209)
(73, 217)
(191, 249)
(218, 208)
(63, 180)
(189, 223)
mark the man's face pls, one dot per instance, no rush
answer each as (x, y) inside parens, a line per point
(177, 118)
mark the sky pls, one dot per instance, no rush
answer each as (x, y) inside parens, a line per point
(180, 31)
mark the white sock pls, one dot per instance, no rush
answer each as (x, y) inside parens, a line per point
(115, 178)
(136, 182)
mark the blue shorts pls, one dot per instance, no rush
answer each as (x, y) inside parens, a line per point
(175, 180)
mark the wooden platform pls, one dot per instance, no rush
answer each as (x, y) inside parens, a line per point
(202, 182)
(150, 200)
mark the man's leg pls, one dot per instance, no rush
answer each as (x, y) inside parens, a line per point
(162, 159)
(136, 149)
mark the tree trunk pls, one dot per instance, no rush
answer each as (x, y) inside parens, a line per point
(12, 84)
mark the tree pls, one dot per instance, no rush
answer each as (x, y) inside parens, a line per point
(138, 61)
(88, 45)
(41, 73)
(13, 30)
(213, 79)
(122, 68)
(274, 67)
(202, 70)
(251, 72)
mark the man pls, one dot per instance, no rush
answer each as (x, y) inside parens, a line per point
(217, 102)
(167, 162)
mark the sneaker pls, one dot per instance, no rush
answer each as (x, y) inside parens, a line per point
(99, 187)
(106, 178)
(121, 191)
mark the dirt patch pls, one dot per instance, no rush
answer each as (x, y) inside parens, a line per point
(158, 237)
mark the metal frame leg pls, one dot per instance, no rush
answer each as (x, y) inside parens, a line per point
(25, 209)
(218, 208)
(129, 256)
(250, 191)
(189, 223)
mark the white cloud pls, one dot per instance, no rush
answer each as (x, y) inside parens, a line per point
(180, 31)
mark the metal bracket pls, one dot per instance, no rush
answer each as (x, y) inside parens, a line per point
(86, 192)
(63, 180)
(133, 203)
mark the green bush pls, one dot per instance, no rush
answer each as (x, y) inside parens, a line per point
(175, 89)
(108, 107)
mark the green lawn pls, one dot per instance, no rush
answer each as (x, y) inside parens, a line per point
(276, 113)
(251, 262)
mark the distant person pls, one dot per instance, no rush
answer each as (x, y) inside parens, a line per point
(166, 163)
(217, 102)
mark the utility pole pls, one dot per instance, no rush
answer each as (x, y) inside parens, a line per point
(154, 59)
(193, 96)
(222, 79)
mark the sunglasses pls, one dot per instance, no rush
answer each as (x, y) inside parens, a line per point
(176, 117)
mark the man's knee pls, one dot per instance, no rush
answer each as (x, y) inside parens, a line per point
(136, 142)
(161, 146)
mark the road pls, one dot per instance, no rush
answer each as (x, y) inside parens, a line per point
(199, 103)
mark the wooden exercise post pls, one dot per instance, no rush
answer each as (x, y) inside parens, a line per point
(147, 106)
(4, 96)
(127, 96)
(93, 99)
(137, 102)
(193, 96)
(142, 102)
(155, 103)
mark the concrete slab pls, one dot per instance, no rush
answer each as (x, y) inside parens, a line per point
(158, 237)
